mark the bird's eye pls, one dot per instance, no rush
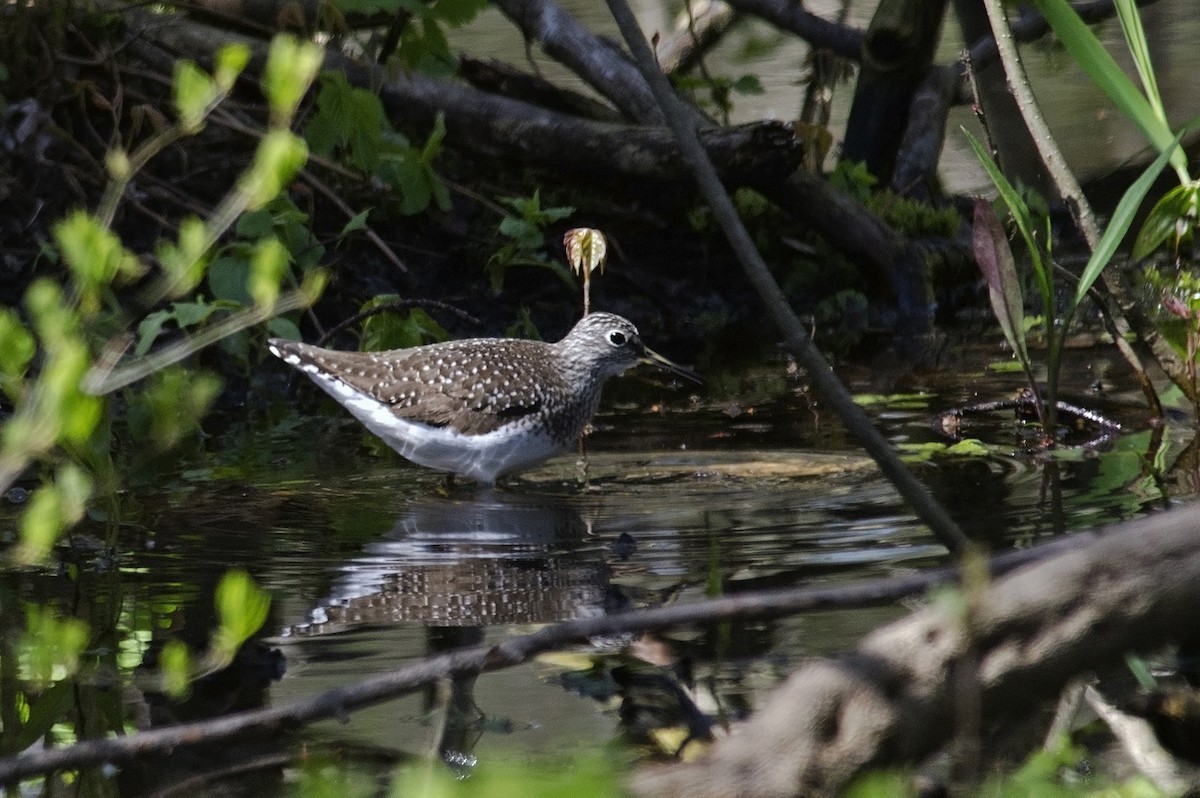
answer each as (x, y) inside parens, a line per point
(616, 338)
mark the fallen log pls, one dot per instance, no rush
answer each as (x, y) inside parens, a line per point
(893, 699)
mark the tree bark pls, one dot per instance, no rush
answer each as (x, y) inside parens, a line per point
(897, 53)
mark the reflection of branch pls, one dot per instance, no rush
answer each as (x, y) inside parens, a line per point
(336, 703)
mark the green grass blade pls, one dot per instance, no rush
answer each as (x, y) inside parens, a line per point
(1121, 220)
(1091, 56)
(1139, 48)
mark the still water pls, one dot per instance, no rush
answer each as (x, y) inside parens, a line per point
(372, 564)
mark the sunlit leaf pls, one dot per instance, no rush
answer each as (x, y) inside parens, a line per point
(291, 67)
(195, 92)
(267, 269)
(51, 509)
(175, 665)
(586, 249)
(1176, 209)
(229, 62)
(16, 351)
(241, 611)
(41, 524)
(93, 252)
(184, 262)
(280, 156)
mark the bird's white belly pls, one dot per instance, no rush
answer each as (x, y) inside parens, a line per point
(510, 448)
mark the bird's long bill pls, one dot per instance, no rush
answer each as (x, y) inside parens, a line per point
(653, 358)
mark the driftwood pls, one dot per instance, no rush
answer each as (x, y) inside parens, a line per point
(602, 66)
(499, 77)
(892, 700)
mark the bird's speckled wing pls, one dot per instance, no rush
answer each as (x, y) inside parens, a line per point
(476, 385)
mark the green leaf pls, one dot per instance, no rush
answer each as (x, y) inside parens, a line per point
(184, 262)
(1120, 222)
(457, 13)
(393, 330)
(189, 314)
(229, 62)
(1176, 208)
(1135, 39)
(93, 252)
(241, 611)
(175, 664)
(280, 155)
(291, 67)
(256, 224)
(267, 268)
(748, 85)
(195, 93)
(1091, 56)
(17, 348)
(51, 509)
(227, 278)
(358, 222)
(433, 144)
(368, 7)
(280, 327)
(347, 118)
(148, 331)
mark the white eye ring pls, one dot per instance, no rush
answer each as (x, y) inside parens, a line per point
(617, 338)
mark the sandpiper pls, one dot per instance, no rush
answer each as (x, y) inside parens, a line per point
(481, 407)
